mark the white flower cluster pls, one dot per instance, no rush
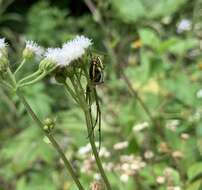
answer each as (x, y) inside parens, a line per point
(120, 145)
(184, 25)
(3, 44)
(129, 165)
(34, 48)
(69, 52)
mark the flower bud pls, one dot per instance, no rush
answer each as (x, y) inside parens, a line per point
(27, 53)
(3, 63)
(49, 124)
(46, 65)
(32, 49)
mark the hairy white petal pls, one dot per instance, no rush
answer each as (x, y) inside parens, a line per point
(54, 54)
(74, 49)
(3, 44)
(71, 50)
(34, 47)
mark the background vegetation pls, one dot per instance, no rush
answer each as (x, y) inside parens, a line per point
(151, 99)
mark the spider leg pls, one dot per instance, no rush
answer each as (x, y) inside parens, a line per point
(98, 118)
(89, 102)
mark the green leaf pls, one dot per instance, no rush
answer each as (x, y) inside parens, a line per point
(195, 185)
(129, 10)
(149, 38)
(181, 46)
(194, 171)
(134, 10)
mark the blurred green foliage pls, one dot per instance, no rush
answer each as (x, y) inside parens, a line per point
(162, 59)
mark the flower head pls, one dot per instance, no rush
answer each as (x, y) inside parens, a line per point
(71, 51)
(54, 55)
(83, 41)
(184, 25)
(32, 48)
(3, 44)
(74, 49)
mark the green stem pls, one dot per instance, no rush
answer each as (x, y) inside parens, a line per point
(94, 149)
(34, 81)
(52, 140)
(29, 77)
(68, 89)
(89, 125)
(12, 77)
(20, 66)
(6, 84)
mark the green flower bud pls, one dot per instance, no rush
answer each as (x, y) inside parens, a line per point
(46, 65)
(27, 53)
(3, 63)
(49, 124)
(46, 128)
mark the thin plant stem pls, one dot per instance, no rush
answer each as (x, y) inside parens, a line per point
(69, 89)
(7, 85)
(47, 134)
(89, 125)
(29, 77)
(52, 140)
(34, 81)
(20, 66)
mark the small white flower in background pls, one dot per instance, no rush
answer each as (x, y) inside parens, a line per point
(167, 172)
(172, 124)
(160, 179)
(34, 48)
(173, 188)
(130, 164)
(148, 154)
(185, 136)
(97, 176)
(199, 94)
(3, 44)
(124, 178)
(84, 149)
(96, 185)
(184, 25)
(177, 154)
(108, 166)
(121, 145)
(104, 152)
(140, 126)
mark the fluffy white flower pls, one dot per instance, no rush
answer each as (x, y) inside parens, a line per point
(70, 51)
(124, 178)
(120, 145)
(55, 55)
(34, 48)
(199, 94)
(184, 25)
(140, 126)
(74, 49)
(83, 41)
(84, 149)
(3, 44)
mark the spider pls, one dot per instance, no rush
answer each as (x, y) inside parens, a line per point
(96, 76)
